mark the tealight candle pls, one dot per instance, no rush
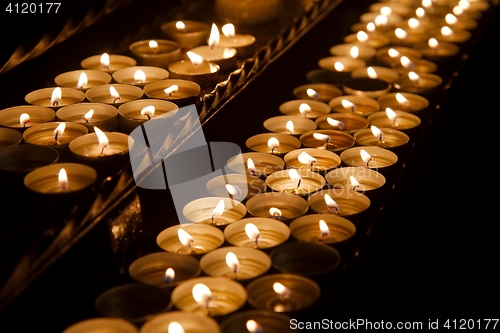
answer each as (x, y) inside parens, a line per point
(293, 125)
(273, 143)
(203, 72)
(332, 140)
(371, 39)
(320, 91)
(214, 211)
(459, 22)
(156, 53)
(387, 55)
(366, 86)
(55, 98)
(295, 181)
(140, 75)
(188, 322)
(345, 122)
(164, 270)
(400, 120)
(387, 7)
(342, 202)
(135, 113)
(360, 105)
(377, 158)
(9, 138)
(180, 92)
(102, 115)
(238, 263)
(283, 292)
(257, 233)
(376, 72)
(190, 239)
(354, 50)
(22, 117)
(280, 206)
(424, 84)
(357, 179)
(225, 57)
(243, 44)
(333, 231)
(239, 187)
(114, 94)
(388, 138)
(257, 321)
(111, 325)
(406, 65)
(452, 35)
(108, 62)
(304, 108)
(209, 296)
(82, 79)
(406, 102)
(313, 159)
(340, 68)
(402, 37)
(188, 34)
(441, 53)
(380, 20)
(256, 164)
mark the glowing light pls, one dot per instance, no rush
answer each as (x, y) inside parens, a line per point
(56, 96)
(202, 294)
(59, 130)
(219, 209)
(365, 156)
(406, 62)
(305, 158)
(169, 275)
(101, 137)
(172, 89)
(185, 238)
(376, 132)
(252, 231)
(331, 204)
(354, 52)
(214, 38)
(105, 60)
(323, 229)
(348, 105)
(289, 126)
(400, 33)
(402, 100)
(451, 19)
(139, 76)
(312, 93)
(275, 212)
(82, 80)
(381, 20)
(433, 43)
(180, 25)
(354, 182)
(153, 45)
(304, 109)
(339, 67)
(228, 30)
(362, 36)
(393, 53)
(195, 59)
(281, 290)
(251, 166)
(371, 73)
(148, 111)
(446, 31)
(24, 119)
(386, 11)
(334, 122)
(413, 23)
(322, 137)
(63, 179)
(393, 116)
(175, 327)
(273, 143)
(232, 261)
(114, 93)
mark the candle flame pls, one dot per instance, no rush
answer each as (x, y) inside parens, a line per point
(281, 290)
(362, 36)
(185, 238)
(175, 327)
(339, 67)
(233, 190)
(153, 45)
(59, 130)
(213, 67)
(381, 20)
(304, 108)
(406, 62)
(400, 33)
(275, 212)
(139, 76)
(82, 80)
(172, 89)
(24, 119)
(289, 126)
(365, 156)
(334, 122)
(232, 261)
(228, 53)
(451, 19)
(386, 11)
(169, 275)
(228, 30)
(305, 158)
(376, 132)
(354, 52)
(427, 3)
(420, 12)
(348, 104)
(402, 100)
(393, 116)
(446, 31)
(433, 43)
(101, 137)
(148, 111)
(251, 166)
(324, 230)
(88, 116)
(55, 99)
(321, 137)
(414, 77)
(458, 10)
(180, 25)
(202, 294)
(214, 38)
(372, 74)
(370, 27)
(273, 143)
(312, 93)
(393, 53)
(219, 209)
(294, 175)
(195, 59)
(252, 231)
(354, 182)
(253, 326)
(63, 179)
(413, 23)
(464, 4)
(105, 60)
(331, 204)
(113, 92)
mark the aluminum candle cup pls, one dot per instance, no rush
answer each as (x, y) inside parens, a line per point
(319, 91)
(130, 115)
(382, 73)
(333, 140)
(224, 57)
(206, 238)
(134, 302)
(202, 211)
(43, 97)
(405, 122)
(295, 293)
(308, 183)
(292, 108)
(365, 52)
(370, 181)
(347, 203)
(152, 269)
(388, 55)
(260, 143)
(161, 54)
(300, 125)
(269, 321)
(102, 94)
(456, 36)
(130, 75)
(380, 160)
(12, 117)
(111, 325)
(417, 65)
(324, 160)
(192, 34)
(74, 79)
(408, 38)
(105, 116)
(9, 138)
(393, 20)
(365, 86)
(191, 323)
(242, 187)
(340, 68)
(205, 74)
(263, 164)
(390, 139)
(182, 92)
(345, 122)
(116, 62)
(251, 263)
(374, 40)
(427, 85)
(406, 102)
(271, 233)
(359, 105)
(445, 55)
(226, 296)
(289, 206)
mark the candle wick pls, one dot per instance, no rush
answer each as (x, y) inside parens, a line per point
(56, 135)
(147, 115)
(56, 103)
(272, 150)
(298, 184)
(312, 165)
(116, 99)
(354, 187)
(102, 150)
(252, 172)
(368, 162)
(336, 209)
(256, 241)
(381, 137)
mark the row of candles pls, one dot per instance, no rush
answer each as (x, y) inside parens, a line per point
(243, 232)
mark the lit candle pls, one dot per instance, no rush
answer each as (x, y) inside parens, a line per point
(156, 53)
(359, 105)
(193, 239)
(372, 39)
(108, 62)
(189, 322)
(82, 79)
(187, 241)
(253, 234)
(345, 122)
(253, 327)
(243, 44)
(295, 181)
(331, 140)
(332, 206)
(180, 92)
(214, 211)
(198, 70)
(305, 108)
(274, 143)
(293, 125)
(188, 34)
(359, 179)
(56, 134)
(318, 160)
(372, 157)
(256, 164)
(333, 230)
(55, 97)
(22, 117)
(389, 55)
(175, 327)
(135, 113)
(239, 187)
(140, 75)
(225, 57)
(354, 51)
(307, 159)
(376, 72)
(342, 202)
(114, 94)
(317, 91)
(102, 115)
(407, 102)
(257, 233)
